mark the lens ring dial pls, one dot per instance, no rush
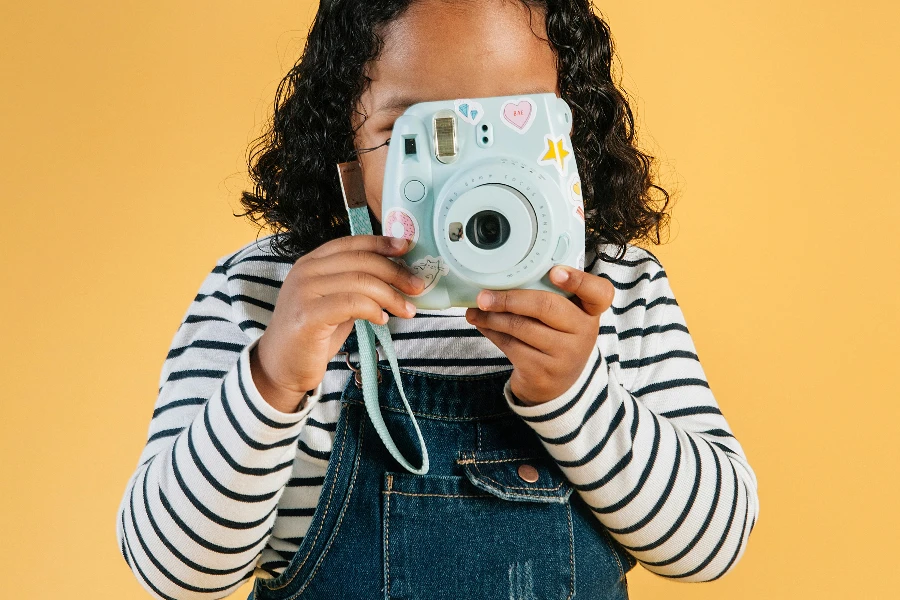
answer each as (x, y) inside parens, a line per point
(532, 185)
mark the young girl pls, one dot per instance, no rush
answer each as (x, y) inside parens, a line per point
(568, 439)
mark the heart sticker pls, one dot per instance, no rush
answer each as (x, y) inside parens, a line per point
(518, 114)
(469, 110)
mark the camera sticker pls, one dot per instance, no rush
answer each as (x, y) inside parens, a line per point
(579, 212)
(555, 153)
(456, 232)
(519, 114)
(469, 110)
(575, 190)
(429, 268)
(400, 223)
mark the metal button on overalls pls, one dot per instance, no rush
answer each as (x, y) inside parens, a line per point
(528, 473)
(494, 518)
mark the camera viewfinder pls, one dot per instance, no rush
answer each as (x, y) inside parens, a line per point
(445, 143)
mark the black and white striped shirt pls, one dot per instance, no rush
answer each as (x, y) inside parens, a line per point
(226, 485)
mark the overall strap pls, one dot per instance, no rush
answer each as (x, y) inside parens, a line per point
(360, 224)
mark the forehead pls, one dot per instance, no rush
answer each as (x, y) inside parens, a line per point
(438, 50)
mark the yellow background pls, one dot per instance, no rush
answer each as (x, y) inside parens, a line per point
(123, 133)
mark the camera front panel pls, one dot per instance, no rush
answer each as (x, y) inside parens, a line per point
(489, 193)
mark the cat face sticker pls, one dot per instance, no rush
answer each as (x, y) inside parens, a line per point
(429, 268)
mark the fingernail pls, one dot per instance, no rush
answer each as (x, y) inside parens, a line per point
(416, 282)
(559, 275)
(485, 299)
(398, 242)
(411, 308)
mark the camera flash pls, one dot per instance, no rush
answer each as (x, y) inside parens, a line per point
(445, 144)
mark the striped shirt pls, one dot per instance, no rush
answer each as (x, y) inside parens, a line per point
(226, 485)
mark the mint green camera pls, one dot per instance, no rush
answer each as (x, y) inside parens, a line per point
(488, 191)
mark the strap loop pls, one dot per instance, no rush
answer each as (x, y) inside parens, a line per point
(367, 332)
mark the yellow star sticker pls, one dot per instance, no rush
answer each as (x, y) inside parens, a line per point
(556, 154)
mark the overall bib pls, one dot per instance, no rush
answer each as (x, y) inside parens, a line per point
(494, 518)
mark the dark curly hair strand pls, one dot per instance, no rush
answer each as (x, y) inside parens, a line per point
(292, 165)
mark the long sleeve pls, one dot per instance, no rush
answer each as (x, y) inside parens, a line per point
(202, 502)
(643, 441)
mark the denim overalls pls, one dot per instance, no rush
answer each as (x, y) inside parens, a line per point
(494, 518)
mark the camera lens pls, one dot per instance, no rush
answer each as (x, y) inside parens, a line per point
(487, 229)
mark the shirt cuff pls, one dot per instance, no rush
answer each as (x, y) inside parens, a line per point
(562, 413)
(257, 404)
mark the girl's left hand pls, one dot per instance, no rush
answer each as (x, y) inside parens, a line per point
(547, 337)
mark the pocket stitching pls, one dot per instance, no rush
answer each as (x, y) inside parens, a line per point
(615, 554)
(387, 554)
(468, 461)
(571, 551)
(325, 511)
(443, 495)
(337, 526)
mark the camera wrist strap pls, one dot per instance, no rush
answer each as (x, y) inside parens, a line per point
(366, 331)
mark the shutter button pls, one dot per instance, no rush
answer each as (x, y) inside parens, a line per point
(528, 473)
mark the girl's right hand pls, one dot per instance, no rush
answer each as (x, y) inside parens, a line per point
(325, 291)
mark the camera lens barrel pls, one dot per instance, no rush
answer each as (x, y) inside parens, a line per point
(488, 229)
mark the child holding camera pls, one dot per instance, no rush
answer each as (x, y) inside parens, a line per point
(570, 434)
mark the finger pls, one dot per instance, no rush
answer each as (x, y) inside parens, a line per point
(368, 285)
(380, 244)
(594, 292)
(338, 308)
(550, 308)
(526, 329)
(518, 352)
(391, 272)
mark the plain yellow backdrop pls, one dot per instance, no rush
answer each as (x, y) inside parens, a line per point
(124, 128)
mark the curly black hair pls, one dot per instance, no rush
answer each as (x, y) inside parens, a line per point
(297, 193)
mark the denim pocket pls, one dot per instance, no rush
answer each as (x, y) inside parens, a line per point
(487, 533)
(511, 476)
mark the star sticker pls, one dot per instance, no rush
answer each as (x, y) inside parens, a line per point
(556, 154)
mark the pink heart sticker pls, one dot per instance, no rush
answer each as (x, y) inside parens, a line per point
(519, 114)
